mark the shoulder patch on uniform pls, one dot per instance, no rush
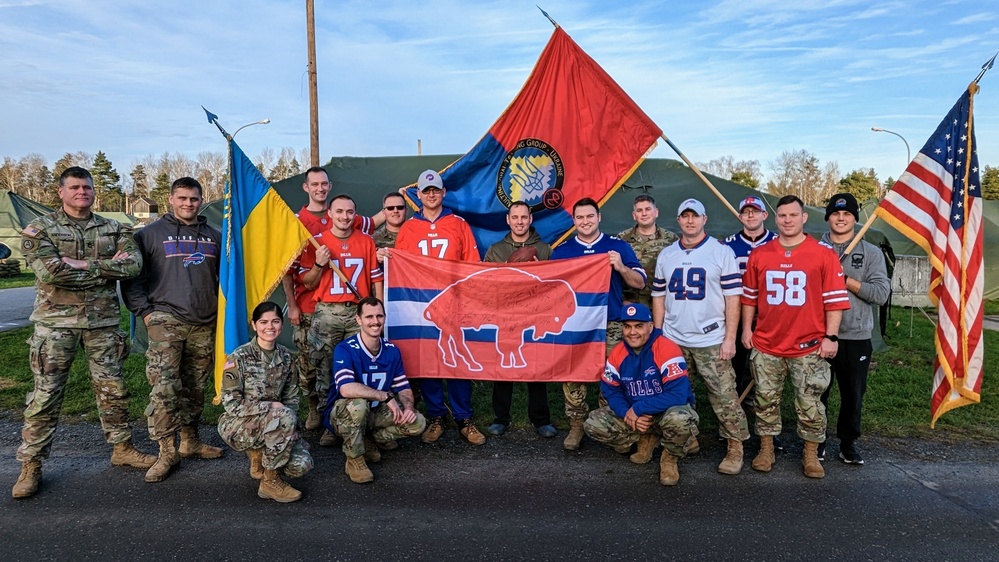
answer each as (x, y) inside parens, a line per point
(27, 244)
(30, 231)
(228, 365)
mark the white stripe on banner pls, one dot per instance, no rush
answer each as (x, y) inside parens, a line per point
(410, 314)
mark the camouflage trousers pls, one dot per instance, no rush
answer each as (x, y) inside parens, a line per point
(575, 392)
(719, 379)
(274, 431)
(331, 324)
(51, 353)
(179, 360)
(351, 417)
(304, 366)
(810, 377)
(676, 428)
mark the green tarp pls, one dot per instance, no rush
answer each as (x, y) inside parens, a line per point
(15, 214)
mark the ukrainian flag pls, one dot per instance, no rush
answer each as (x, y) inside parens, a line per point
(262, 237)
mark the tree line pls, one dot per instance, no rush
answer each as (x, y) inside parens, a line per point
(797, 172)
(31, 177)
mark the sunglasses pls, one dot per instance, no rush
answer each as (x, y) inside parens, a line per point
(395, 208)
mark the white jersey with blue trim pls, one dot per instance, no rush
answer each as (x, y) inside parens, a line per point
(742, 245)
(695, 282)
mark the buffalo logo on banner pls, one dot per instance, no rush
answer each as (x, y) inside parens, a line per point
(472, 303)
(532, 172)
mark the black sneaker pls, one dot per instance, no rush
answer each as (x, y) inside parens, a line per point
(778, 446)
(822, 452)
(848, 453)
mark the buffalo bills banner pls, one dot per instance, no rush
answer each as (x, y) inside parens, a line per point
(537, 321)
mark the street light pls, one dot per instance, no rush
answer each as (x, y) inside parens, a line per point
(261, 122)
(908, 153)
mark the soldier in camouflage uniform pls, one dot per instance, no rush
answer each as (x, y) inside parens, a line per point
(368, 376)
(394, 207)
(260, 397)
(649, 398)
(176, 298)
(77, 258)
(647, 239)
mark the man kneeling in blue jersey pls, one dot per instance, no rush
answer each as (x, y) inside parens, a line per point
(362, 408)
(648, 393)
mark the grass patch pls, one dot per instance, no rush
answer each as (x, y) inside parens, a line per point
(25, 279)
(897, 402)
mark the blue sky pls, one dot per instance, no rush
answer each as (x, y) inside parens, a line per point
(746, 78)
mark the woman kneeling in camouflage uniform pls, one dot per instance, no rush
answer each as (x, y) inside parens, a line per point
(260, 397)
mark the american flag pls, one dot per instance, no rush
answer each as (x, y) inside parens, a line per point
(937, 203)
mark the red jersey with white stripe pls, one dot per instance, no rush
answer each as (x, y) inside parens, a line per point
(354, 256)
(316, 223)
(792, 289)
(447, 238)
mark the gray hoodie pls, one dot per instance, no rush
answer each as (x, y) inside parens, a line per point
(866, 264)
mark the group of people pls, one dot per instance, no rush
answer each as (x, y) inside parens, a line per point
(750, 310)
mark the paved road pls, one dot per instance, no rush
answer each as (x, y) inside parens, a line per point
(15, 307)
(516, 498)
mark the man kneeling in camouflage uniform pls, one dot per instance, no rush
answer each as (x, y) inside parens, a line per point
(367, 376)
(648, 395)
(260, 397)
(77, 257)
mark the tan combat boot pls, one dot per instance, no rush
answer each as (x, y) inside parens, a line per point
(371, 452)
(168, 459)
(27, 483)
(358, 470)
(256, 463)
(692, 447)
(669, 474)
(273, 488)
(646, 446)
(125, 454)
(191, 445)
(575, 436)
(764, 460)
(312, 421)
(732, 463)
(810, 461)
(327, 439)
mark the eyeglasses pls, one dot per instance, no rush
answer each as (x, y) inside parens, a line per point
(750, 211)
(395, 208)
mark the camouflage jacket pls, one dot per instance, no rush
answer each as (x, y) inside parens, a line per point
(384, 238)
(78, 298)
(647, 250)
(250, 383)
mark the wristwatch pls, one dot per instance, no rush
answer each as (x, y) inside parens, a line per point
(833, 339)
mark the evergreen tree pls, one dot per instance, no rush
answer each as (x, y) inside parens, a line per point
(161, 193)
(140, 181)
(863, 184)
(107, 185)
(990, 182)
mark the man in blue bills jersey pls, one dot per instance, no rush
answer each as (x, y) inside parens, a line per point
(370, 393)
(627, 270)
(648, 395)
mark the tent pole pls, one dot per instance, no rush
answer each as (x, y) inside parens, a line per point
(700, 175)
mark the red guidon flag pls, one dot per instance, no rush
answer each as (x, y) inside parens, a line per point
(570, 133)
(938, 204)
(532, 321)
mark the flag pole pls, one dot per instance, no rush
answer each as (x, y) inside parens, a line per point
(336, 270)
(870, 220)
(700, 175)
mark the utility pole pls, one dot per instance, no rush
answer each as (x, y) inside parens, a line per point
(310, 16)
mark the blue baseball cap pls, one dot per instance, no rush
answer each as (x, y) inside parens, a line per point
(636, 313)
(753, 201)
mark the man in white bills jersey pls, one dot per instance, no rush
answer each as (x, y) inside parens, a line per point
(695, 300)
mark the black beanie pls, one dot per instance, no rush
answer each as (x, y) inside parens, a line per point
(843, 202)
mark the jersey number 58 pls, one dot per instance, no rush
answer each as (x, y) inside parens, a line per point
(786, 287)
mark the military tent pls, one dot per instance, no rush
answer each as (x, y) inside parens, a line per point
(15, 214)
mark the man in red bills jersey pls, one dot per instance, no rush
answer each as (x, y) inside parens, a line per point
(794, 288)
(438, 233)
(301, 301)
(334, 320)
